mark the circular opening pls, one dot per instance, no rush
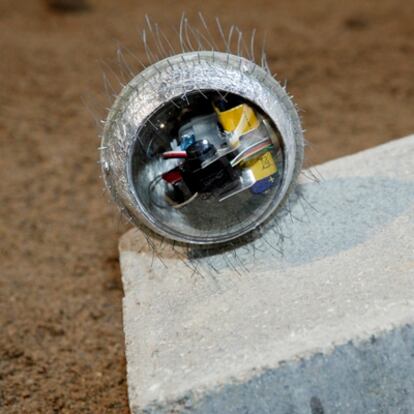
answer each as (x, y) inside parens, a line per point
(206, 167)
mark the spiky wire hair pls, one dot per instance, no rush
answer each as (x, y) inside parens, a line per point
(197, 61)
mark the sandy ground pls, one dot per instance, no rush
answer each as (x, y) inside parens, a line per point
(350, 67)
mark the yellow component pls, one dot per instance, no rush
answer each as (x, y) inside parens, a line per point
(262, 167)
(231, 118)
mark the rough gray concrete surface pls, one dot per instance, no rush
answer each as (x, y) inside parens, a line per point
(315, 317)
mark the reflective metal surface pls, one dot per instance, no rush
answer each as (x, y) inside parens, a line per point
(145, 120)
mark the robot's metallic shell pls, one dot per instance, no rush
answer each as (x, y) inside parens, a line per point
(174, 77)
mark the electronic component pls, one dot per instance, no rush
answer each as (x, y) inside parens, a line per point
(223, 154)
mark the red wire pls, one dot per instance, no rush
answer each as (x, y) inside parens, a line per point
(174, 154)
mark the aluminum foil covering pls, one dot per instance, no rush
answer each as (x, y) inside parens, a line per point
(174, 77)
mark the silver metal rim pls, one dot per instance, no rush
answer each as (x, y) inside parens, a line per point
(171, 78)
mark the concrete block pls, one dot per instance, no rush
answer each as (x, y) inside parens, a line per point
(317, 317)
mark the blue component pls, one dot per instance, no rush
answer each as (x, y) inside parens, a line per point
(261, 186)
(186, 141)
